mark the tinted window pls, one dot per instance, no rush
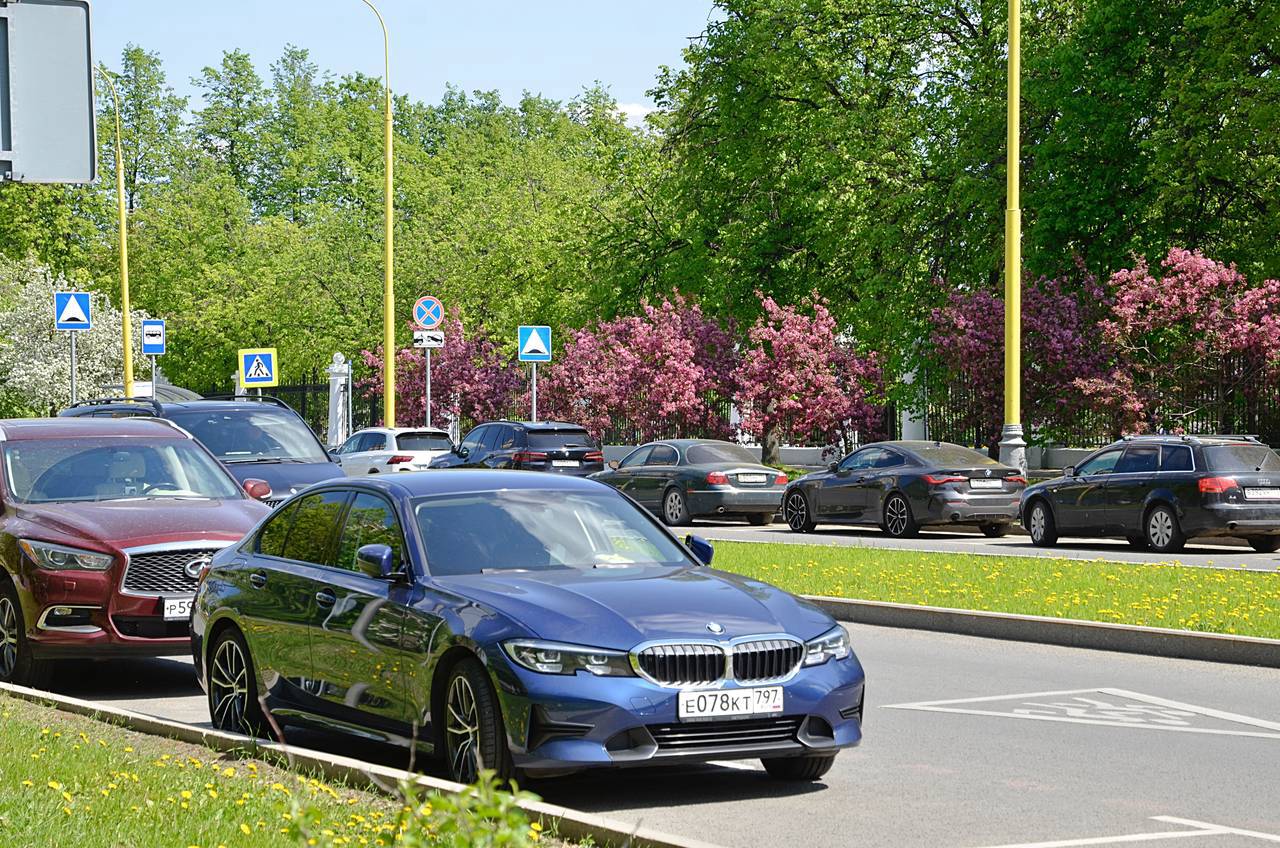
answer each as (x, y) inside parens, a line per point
(246, 435)
(375, 442)
(530, 530)
(861, 460)
(351, 445)
(370, 521)
(713, 452)
(953, 456)
(557, 439)
(506, 439)
(1241, 458)
(423, 442)
(272, 537)
(1176, 458)
(1103, 463)
(890, 460)
(636, 457)
(314, 522)
(1139, 459)
(663, 455)
(475, 439)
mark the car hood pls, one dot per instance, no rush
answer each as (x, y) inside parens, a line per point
(620, 608)
(285, 478)
(124, 524)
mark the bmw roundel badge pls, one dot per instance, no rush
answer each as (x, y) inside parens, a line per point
(715, 628)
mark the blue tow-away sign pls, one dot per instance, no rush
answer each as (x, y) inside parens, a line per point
(71, 311)
(153, 337)
(535, 344)
(258, 367)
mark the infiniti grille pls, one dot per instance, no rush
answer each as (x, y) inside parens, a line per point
(163, 572)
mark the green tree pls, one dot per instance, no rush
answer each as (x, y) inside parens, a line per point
(230, 125)
(151, 125)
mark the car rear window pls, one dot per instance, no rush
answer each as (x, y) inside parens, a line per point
(1241, 457)
(556, 439)
(709, 453)
(423, 442)
(954, 455)
(252, 435)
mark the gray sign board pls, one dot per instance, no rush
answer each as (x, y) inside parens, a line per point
(46, 92)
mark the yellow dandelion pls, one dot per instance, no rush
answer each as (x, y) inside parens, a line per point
(245, 829)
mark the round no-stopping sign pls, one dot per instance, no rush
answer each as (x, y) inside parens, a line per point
(428, 312)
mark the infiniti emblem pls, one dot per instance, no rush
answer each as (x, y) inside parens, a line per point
(193, 568)
(715, 628)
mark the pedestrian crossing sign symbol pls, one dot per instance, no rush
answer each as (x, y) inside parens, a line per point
(535, 344)
(71, 311)
(258, 368)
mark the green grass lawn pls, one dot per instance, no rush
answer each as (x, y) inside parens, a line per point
(1205, 599)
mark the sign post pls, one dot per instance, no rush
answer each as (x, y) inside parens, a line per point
(428, 312)
(72, 312)
(153, 345)
(534, 347)
(428, 340)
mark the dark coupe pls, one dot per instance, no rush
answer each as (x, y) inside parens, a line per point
(903, 486)
(682, 479)
(531, 622)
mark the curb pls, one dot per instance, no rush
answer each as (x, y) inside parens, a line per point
(572, 825)
(1095, 635)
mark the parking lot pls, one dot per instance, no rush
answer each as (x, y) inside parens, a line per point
(970, 743)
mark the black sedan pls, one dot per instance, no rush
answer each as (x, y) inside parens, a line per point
(903, 486)
(682, 479)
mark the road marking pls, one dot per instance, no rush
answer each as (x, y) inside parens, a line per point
(1252, 834)
(1199, 828)
(1124, 709)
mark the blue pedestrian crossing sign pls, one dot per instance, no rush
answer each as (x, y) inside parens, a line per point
(535, 344)
(153, 338)
(71, 311)
(258, 368)
(428, 312)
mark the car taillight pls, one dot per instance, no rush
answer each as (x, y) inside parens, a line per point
(718, 478)
(1016, 479)
(1217, 485)
(938, 481)
(593, 456)
(528, 457)
(399, 458)
(781, 480)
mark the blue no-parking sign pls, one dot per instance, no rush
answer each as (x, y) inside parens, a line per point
(71, 311)
(535, 344)
(428, 312)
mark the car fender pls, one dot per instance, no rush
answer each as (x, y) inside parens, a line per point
(1162, 495)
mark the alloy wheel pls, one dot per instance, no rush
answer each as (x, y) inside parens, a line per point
(1037, 523)
(797, 512)
(674, 509)
(895, 515)
(1160, 528)
(229, 686)
(8, 638)
(462, 731)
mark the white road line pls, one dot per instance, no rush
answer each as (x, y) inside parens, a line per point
(1235, 831)
(1209, 830)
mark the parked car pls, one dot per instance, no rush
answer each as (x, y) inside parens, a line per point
(903, 486)
(258, 437)
(682, 479)
(552, 446)
(529, 622)
(378, 450)
(105, 529)
(1157, 491)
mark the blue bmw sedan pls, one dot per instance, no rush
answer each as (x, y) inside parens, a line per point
(517, 622)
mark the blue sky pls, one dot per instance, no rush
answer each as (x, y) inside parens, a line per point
(548, 47)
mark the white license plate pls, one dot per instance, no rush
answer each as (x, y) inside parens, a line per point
(565, 463)
(751, 478)
(986, 484)
(718, 703)
(177, 609)
(1262, 494)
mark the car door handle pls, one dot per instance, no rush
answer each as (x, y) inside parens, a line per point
(326, 598)
(258, 579)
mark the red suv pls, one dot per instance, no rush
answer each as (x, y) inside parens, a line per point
(107, 526)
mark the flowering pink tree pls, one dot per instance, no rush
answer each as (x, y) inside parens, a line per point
(1187, 338)
(667, 372)
(471, 378)
(798, 379)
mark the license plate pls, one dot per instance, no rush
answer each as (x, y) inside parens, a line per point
(177, 609)
(720, 703)
(1262, 494)
(751, 478)
(565, 463)
(986, 484)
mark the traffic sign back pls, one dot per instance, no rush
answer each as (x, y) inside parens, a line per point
(71, 311)
(258, 367)
(535, 344)
(428, 312)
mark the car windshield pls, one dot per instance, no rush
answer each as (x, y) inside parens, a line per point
(1241, 458)
(252, 435)
(533, 530)
(55, 470)
(712, 452)
(954, 455)
(424, 442)
(556, 439)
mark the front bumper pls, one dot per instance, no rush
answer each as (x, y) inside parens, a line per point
(560, 723)
(734, 501)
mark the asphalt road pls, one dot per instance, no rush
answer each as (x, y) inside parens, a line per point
(1063, 744)
(1201, 552)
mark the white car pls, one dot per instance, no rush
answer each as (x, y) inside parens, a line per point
(378, 450)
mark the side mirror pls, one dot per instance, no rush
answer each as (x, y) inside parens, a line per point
(613, 464)
(833, 467)
(376, 561)
(334, 456)
(259, 490)
(701, 548)
(463, 451)
(1069, 471)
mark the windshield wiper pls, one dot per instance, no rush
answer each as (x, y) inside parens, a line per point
(265, 459)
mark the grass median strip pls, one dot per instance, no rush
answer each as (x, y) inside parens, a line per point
(1213, 600)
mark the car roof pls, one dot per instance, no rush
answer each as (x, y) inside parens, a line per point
(450, 481)
(539, 425)
(31, 429)
(223, 405)
(396, 431)
(688, 443)
(1189, 439)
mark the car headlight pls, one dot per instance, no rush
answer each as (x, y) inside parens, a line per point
(61, 558)
(555, 658)
(832, 645)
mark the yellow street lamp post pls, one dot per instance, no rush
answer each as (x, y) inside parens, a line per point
(1013, 449)
(388, 286)
(126, 318)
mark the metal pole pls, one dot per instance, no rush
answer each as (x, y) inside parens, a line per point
(535, 392)
(1013, 449)
(153, 376)
(388, 286)
(121, 216)
(428, 424)
(74, 398)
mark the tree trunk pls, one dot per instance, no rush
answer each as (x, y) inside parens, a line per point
(770, 442)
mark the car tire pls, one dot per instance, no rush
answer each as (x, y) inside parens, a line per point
(17, 664)
(1162, 531)
(799, 768)
(796, 512)
(232, 686)
(1265, 544)
(759, 519)
(475, 737)
(898, 521)
(675, 509)
(1041, 526)
(994, 531)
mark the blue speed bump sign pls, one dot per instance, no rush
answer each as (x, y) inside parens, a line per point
(71, 311)
(535, 344)
(153, 338)
(258, 367)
